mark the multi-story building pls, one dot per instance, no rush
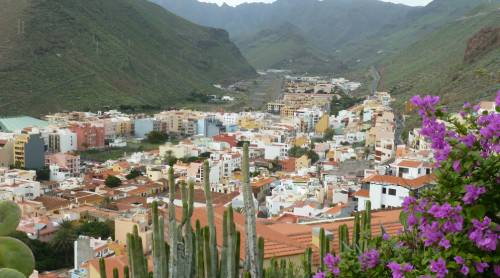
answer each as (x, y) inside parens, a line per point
(66, 161)
(144, 126)
(29, 149)
(61, 141)
(6, 150)
(90, 135)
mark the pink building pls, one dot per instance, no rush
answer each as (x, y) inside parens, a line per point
(88, 135)
(64, 161)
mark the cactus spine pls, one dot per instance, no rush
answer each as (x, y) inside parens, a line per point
(211, 221)
(252, 251)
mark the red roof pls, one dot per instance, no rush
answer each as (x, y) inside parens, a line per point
(362, 193)
(411, 183)
(410, 163)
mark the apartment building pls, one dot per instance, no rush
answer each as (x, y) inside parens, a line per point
(29, 149)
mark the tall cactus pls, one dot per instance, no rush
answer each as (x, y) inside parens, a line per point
(102, 268)
(172, 228)
(261, 253)
(307, 263)
(126, 273)
(322, 249)
(116, 274)
(211, 220)
(188, 208)
(252, 252)
(137, 262)
(199, 251)
(160, 263)
(16, 259)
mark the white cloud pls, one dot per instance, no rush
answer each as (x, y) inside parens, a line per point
(237, 2)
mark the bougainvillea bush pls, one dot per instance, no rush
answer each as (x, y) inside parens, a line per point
(452, 229)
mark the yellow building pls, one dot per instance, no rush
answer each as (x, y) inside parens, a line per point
(249, 123)
(300, 141)
(125, 225)
(302, 162)
(322, 125)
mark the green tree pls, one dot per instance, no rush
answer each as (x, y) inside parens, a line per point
(296, 151)
(97, 229)
(112, 181)
(328, 134)
(156, 137)
(64, 239)
(134, 173)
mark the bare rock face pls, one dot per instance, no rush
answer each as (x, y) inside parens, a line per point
(481, 43)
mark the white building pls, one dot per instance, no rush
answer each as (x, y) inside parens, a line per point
(390, 191)
(62, 141)
(276, 150)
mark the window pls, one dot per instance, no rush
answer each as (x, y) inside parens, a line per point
(392, 192)
(384, 190)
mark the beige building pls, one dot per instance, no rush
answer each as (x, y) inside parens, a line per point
(125, 224)
(302, 162)
(6, 153)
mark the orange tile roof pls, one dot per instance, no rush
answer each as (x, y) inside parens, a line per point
(409, 183)
(410, 163)
(52, 202)
(363, 193)
(262, 182)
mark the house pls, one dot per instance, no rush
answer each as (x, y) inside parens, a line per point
(385, 191)
(125, 223)
(302, 162)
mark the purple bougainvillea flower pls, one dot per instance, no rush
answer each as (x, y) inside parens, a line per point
(386, 236)
(464, 270)
(472, 193)
(481, 266)
(457, 166)
(459, 260)
(482, 235)
(320, 275)
(497, 99)
(439, 267)
(496, 268)
(369, 259)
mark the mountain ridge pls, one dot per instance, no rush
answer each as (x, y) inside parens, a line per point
(92, 54)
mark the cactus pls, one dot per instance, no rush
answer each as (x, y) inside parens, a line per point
(210, 218)
(206, 252)
(160, 263)
(126, 273)
(15, 256)
(261, 253)
(199, 251)
(10, 273)
(343, 238)
(225, 241)
(137, 263)
(172, 228)
(322, 251)
(252, 252)
(115, 273)
(356, 231)
(237, 253)
(102, 268)
(307, 263)
(187, 230)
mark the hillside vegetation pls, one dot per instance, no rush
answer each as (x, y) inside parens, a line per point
(70, 54)
(436, 64)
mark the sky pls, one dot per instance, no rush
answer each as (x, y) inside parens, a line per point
(237, 2)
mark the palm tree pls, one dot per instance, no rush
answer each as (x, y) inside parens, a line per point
(64, 239)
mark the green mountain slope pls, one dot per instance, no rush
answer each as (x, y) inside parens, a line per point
(71, 54)
(325, 26)
(284, 46)
(436, 64)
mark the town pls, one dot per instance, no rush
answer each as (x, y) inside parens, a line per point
(316, 156)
